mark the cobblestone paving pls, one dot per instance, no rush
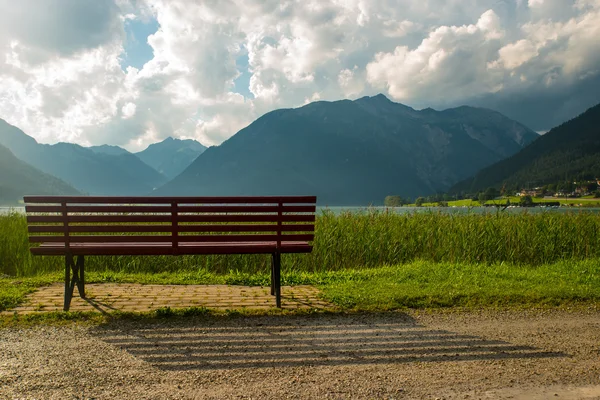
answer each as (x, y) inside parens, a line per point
(109, 297)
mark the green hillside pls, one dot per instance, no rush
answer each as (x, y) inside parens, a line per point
(17, 178)
(568, 152)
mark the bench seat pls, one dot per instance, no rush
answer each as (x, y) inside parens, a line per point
(166, 248)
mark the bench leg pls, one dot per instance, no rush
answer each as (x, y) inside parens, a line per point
(81, 280)
(276, 278)
(273, 274)
(77, 279)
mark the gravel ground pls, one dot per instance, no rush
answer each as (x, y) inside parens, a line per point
(446, 355)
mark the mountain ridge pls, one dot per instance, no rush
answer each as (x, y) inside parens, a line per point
(330, 148)
(17, 178)
(81, 167)
(171, 156)
(568, 151)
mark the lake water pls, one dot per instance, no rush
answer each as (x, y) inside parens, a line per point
(6, 210)
(404, 210)
(458, 210)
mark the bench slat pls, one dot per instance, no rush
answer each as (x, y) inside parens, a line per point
(169, 200)
(99, 228)
(167, 218)
(247, 218)
(99, 218)
(133, 249)
(167, 228)
(101, 209)
(245, 209)
(246, 228)
(168, 238)
(102, 239)
(166, 209)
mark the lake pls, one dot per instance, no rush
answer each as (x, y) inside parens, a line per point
(458, 210)
(6, 210)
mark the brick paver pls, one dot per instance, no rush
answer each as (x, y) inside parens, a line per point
(107, 297)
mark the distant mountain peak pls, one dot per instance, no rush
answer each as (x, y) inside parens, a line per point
(381, 104)
(171, 156)
(381, 97)
(108, 149)
(377, 97)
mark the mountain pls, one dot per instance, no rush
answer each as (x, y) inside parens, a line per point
(171, 156)
(353, 152)
(17, 178)
(86, 170)
(569, 151)
(108, 149)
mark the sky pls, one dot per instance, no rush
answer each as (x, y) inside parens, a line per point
(134, 72)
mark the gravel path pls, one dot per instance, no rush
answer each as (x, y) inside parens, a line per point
(457, 355)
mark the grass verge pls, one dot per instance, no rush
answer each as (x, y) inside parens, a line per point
(14, 290)
(428, 285)
(421, 284)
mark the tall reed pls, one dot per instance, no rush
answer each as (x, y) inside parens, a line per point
(372, 239)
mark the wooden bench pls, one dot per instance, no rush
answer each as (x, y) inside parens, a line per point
(79, 226)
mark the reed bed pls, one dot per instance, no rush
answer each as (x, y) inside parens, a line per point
(355, 241)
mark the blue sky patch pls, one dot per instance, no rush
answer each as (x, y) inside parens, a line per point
(242, 83)
(137, 51)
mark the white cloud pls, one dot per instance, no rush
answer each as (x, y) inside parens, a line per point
(451, 62)
(535, 3)
(128, 110)
(58, 27)
(552, 9)
(516, 54)
(61, 79)
(351, 81)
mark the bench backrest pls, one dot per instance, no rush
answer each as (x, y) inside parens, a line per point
(93, 219)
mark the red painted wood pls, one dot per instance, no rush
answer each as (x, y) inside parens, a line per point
(100, 228)
(181, 220)
(100, 218)
(169, 238)
(102, 239)
(244, 209)
(244, 238)
(167, 228)
(157, 249)
(42, 209)
(169, 200)
(246, 228)
(167, 218)
(247, 218)
(166, 209)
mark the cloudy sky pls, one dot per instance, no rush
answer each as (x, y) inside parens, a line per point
(132, 72)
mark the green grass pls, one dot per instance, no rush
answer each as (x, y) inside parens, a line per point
(420, 284)
(358, 241)
(371, 261)
(427, 285)
(13, 291)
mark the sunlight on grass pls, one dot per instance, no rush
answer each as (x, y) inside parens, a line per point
(420, 284)
(425, 284)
